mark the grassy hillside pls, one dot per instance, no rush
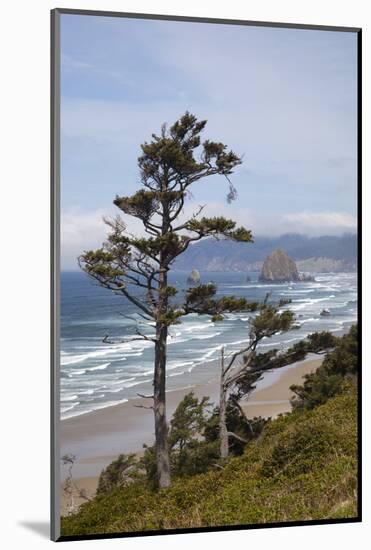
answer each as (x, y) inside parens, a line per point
(303, 467)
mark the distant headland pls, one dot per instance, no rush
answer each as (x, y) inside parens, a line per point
(325, 254)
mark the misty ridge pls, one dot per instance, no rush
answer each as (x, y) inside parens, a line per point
(317, 254)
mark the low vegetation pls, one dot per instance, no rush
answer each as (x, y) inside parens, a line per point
(300, 466)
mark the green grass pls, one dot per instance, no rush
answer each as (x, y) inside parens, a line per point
(303, 467)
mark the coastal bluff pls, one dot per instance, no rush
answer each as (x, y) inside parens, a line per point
(278, 267)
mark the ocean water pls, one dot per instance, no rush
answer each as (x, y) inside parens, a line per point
(95, 375)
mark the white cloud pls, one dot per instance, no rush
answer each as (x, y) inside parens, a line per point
(69, 62)
(319, 223)
(85, 229)
(80, 230)
(285, 100)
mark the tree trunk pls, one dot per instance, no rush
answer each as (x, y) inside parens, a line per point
(159, 382)
(162, 450)
(223, 432)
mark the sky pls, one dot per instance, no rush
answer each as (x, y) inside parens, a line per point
(283, 99)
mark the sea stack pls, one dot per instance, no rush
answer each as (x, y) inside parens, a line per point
(278, 267)
(194, 277)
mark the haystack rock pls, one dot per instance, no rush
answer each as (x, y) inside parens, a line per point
(194, 277)
(278, 267)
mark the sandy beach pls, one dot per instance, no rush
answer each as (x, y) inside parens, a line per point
(274, 399)
(124, 428)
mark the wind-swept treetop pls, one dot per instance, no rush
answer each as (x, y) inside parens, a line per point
(169, 159)
(168, 166)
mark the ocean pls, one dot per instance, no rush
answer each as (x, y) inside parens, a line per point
(94, 375)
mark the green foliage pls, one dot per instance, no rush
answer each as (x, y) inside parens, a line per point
(148, 461)
(319, 386)
(302, 467)
(188, 420)
(344, 359)
(225, 161)
(191, 452)
(101, 263)
(201, 299)
(171, 291)
(217, 317)
(173, 155)
(319, 341)
(205, 226)
(237, 423)
(194, 440)
(201, 294)
(143, 204)
(120, 472)
(328, 380)
(171, 317)
(219, 226)
(173, 149)
(269, 321)
(241, 235)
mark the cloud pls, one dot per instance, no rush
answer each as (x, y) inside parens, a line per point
(70, 63)
(319, 223)
(85, 229)
(280, 101)
(80, 231)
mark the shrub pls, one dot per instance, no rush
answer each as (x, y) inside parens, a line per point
(338, 365)
(302, 467)
(122, 470)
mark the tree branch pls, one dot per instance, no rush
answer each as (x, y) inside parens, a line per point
(232, 434)
(194, 216)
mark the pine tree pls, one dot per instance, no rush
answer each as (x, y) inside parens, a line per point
(169, 165)
(234, 376)
(238, 381)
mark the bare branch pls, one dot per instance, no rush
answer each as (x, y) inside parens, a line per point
(145, 337)
(216, 465)
(134, 320)
(194, 216)
(232, 434)
(118, 288)
(140, 337)
(251, 346)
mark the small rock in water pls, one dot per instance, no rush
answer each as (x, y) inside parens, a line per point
(194, 277)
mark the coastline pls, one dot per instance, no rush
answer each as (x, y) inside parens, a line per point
(123, 428)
